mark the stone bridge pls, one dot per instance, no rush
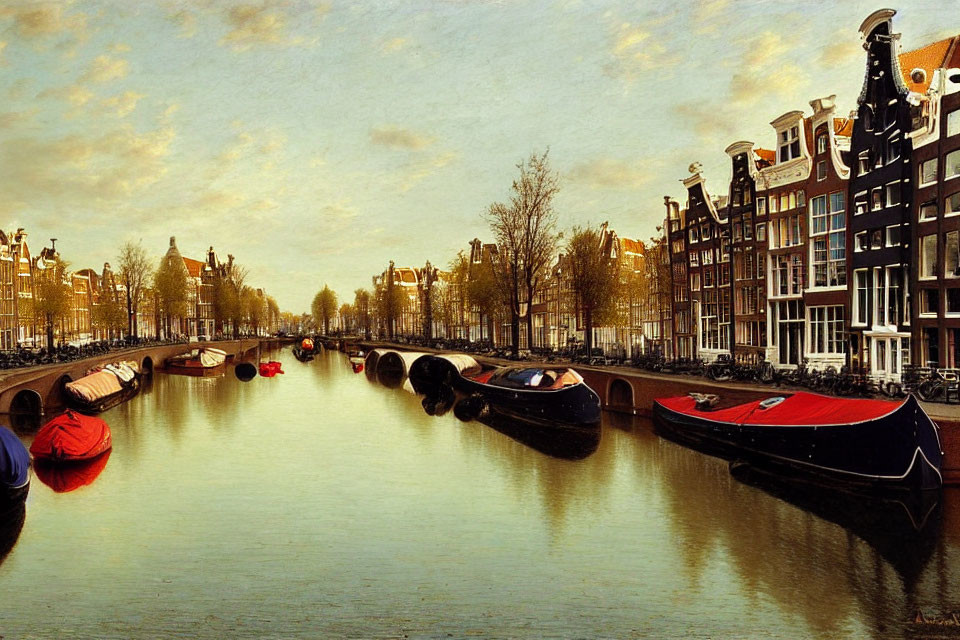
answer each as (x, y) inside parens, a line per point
(39, 389)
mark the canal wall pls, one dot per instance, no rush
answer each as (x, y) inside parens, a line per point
(629, 390)
(39, 389)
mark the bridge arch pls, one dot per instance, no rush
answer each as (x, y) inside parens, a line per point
(620, 394)
(146, 367)
(26, 402)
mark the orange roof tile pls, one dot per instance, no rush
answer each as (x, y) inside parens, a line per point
(767, 155)
(942, 53)
(631, 246)
(843, 127)
(194, 267)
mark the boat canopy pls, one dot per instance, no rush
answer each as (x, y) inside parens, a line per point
(14, 460)
(210, 357)
(72, 436)
(799, 409)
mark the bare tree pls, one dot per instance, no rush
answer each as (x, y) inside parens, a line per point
(525, 229)
(136, 272)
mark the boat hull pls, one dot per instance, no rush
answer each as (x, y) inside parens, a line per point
(93, 407)
(901, 449)
(193, 368)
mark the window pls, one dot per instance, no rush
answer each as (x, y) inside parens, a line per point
(860, 242)
(761, 230)
(695, 282)
(953, 123)
(823, 140)
(951, 206)
(951, 254)
(952, 165)
(894, 295)
(929, 302)
(818, 215)
(893, 149)
(705, 232)
(789, 144)
(708, 278)
(761, 206)
(724, 251)
(953, 301)
(860, 204)
(860, 312)
(737, 231)
(821, 170)
(694, 259)
(928, 172)
(747, 231)
(785, 202)
(876, 239)
(893, 236)
(694, 234)
(928, 256)
(773, 204)
(893, 194)
(801, 198)
(928, 211)
(863, 163)
(826, 329)
(707, 256)
(877, 199)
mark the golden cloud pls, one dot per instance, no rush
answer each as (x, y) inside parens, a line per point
(634, 51)
(74, 94)
(253, 25)
(13, 118)
(187, 21)
(396, 44)
(399, 138)
(610, 173)
(123, 104)
(104, 69)
(34, 20)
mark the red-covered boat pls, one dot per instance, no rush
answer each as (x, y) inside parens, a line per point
(871, 442)
(63, 478)
(270, 369)
(71, 436)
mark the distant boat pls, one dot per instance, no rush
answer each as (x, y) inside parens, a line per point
(866, 442)
(270, 369)
(103, 388)
(537, 396)
(71, 436)
(204, 361)
(14, 466)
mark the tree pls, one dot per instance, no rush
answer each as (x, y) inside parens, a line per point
(361, 305)
(227, 302)
(254, 308)
(110, 315)
(136, 271)
(389, 300)
(273, 314)
(456, 291)
(348, 318)
(594, 278)
(52, 297)
(170, 286)
(428, 277)
(485, 293)
(525, 230)
(324, 307)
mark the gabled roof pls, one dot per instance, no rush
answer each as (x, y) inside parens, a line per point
(194, 267)
(768, 156)
(936, 55)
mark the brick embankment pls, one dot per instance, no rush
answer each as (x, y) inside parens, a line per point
(629, 390)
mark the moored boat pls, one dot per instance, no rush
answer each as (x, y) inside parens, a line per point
(862, 442)
(71, 436)
(203, 361)
(14, 466)
(540, 396)
(270, 369)
(103, 388)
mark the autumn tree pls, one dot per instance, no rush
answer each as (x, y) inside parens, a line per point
(170, 287)
(457, 280)
(109, 315)
(525, 231)
(389, 301)
(254, 308)
(348, 317)
(428, 277)
(227, 302)
(52, 297)
(273, 314)
(324, 307)
(486, 292)
(136, 271)
(361, 305)
(594, 278)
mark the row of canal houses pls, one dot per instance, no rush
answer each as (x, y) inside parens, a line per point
(21, 270)
(841, 244)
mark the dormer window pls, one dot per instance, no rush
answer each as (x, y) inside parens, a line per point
(867, 118)
(789, 144)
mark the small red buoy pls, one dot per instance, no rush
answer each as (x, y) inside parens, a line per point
(358, 367)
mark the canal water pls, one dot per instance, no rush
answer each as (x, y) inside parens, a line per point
(320, 504)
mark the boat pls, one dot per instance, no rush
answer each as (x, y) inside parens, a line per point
(103, 388)
(302, 355)
(856, 441)
(14, 466)
(392, 368)
(64, 478)
(270, 369)
(536, 396)
(70, 437)
(203, 361)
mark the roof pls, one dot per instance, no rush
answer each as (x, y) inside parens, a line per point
(766, 155)
(631, 246)
(194, 267)
(936, 55)
(843, 127)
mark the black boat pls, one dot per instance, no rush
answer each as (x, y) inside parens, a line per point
(302, 355)
(538, 396)
(103, 388)
(861, 442)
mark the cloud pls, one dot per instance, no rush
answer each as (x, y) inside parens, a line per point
(712, 123)
(12, 118)
(253, 25)
(104, 69)
(764, 71)
(635, 50)
(119, 47)
(187, 21)
(3, 45)
(38, 20)
(839, 49)
(396, 44)
(611, 173)
(123, 104)
(74, 94)
(399, 138)
(413, 173)
(218, 201)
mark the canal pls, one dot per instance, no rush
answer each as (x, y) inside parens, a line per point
(321, 504)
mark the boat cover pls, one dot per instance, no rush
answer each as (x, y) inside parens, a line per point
(463, 363)
(212, 357)
(799, 409)
(71, 436)
(270, 369)
(95, 386)
(14, 460)
(126, 371)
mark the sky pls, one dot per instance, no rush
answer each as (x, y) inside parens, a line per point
(317, 141)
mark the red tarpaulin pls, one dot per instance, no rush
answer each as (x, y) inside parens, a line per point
(270, 369)
(796, 410)
(71, 436)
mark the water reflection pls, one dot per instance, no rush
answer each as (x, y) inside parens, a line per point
(13, 514)
(64, 478)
